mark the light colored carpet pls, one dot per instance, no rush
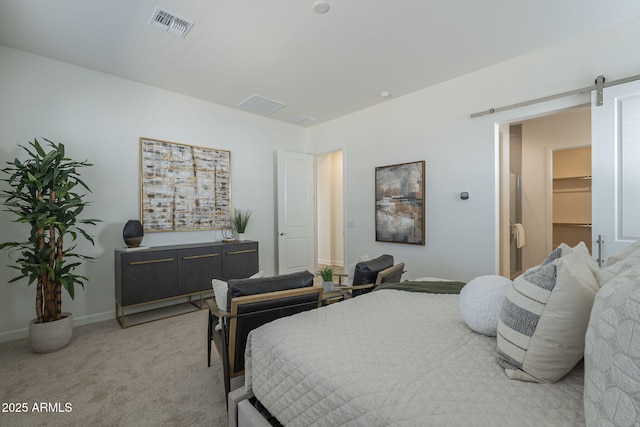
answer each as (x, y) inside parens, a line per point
(148, 375)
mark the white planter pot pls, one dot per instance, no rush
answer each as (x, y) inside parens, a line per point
(241, 237)
(51, 336)
(327, 286)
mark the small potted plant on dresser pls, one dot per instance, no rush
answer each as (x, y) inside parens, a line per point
(327, 278)
(43, 192)
(240, 221)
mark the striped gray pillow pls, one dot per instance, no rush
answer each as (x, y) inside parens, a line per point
(544, 317)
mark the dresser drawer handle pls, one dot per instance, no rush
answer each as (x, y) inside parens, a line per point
(241, 252)
(153, 261)
(199, 256)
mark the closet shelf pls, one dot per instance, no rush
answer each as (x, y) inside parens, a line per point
(573, 178)
(572, 190)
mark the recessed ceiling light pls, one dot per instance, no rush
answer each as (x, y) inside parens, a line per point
(385, 94)
(321, 7)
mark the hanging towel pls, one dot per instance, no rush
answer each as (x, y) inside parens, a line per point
(519, 232)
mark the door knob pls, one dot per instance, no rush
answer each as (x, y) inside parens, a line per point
(282, 233)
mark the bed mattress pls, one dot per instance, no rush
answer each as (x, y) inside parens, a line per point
(396, 358)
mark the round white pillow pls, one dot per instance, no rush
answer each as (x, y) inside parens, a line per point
(481, 300)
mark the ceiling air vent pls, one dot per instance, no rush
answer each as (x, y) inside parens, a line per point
(261, 105)
(167, 21)
(301, 119)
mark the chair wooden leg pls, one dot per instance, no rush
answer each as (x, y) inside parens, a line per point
(209, 338)
(225, 363)
(225, 353)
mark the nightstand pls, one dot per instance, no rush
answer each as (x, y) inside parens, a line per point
(341, 292)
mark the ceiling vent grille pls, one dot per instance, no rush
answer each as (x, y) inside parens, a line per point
(301, 119)
(261, 105)
(167, 21)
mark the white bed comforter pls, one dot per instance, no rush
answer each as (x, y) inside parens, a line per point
(395, 358)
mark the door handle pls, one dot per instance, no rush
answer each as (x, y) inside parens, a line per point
(600, 242)
(152, 261)
(282, 233)
(246, 251)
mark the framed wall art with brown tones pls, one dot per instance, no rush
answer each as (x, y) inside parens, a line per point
(400, 203)
(184, 187)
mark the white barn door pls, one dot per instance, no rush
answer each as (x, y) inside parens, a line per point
(615, 135)
(296, 212)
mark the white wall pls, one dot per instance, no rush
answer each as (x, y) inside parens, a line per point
(460, 153)
(329, 203)
(323, 208)
(539, 136)
(100, 118)
(337, 211)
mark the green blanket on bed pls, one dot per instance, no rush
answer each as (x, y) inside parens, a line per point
(439, 287)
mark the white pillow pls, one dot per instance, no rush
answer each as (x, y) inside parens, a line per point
(480, 303)
(617, 264)
(626, 252)
(220, 290)
(544, 319)
(612, 354)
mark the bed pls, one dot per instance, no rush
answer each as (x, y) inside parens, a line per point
(396, 358)
(399, 358)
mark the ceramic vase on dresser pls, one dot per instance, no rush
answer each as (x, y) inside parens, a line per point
(133, 233)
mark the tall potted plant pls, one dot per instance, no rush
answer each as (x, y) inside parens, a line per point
(46, 193)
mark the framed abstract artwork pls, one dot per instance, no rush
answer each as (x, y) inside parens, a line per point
(184, 187)
(400, 203)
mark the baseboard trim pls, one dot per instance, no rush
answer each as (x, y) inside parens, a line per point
(93, 318)
(327, 262)
(77, 321)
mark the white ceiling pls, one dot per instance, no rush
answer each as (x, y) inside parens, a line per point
(320, 65)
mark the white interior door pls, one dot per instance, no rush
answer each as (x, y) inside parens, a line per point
(615, 133)
(296, 212)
